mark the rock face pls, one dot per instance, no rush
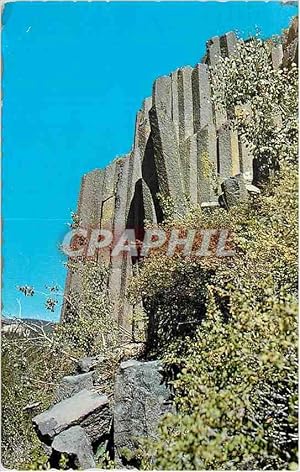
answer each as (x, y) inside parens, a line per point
(81, 425)
(140, 400)
(290, 44)
(182, 146)
(88, 364)
(76, 424)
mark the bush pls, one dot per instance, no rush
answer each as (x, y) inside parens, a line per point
(30, 372)
(236, 390)
(262, 102)
(88, 326)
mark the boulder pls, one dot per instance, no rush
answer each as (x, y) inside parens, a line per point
(75, 443)
(133, 350)
(141, 398)
(86, 408)
(86, 364)
(252, 189)
(234, 191)
(72, 384)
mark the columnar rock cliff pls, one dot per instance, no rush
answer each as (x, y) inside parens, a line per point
(182, 147)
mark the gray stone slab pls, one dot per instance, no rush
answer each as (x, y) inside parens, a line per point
(90, 212)
(119, 226)
(110, 178)
(205, 151)
(125, 308)
(108, 195)
(90, 199)
(167, 158)
(142, 128)
(246, 160)
(214, 54)
(86, 408)
(193, 171)
(121, 193)
(149, 208)
(277, 55)
(89, 364)
(185, 103)
(231, 43)
(134, 174)
(162, 94)
(214, 51)
(140, 148)
(175, 106)
(184, 151)
(189, 170)
(107, 206)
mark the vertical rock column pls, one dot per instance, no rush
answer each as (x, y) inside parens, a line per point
(89, 209)
(214, 55)
(131, 195)
(228, 142)
(142, 141)
(182, 115)
(203, 165)
(166, 149)
(119, 265)
(228, 152)
(141, 137)
(91, 198)
(203, 110)
(107, 206)
(201, 146)
(277, 55)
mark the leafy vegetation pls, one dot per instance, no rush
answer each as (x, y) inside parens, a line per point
(236, 372)
(88, 326)
(261, 101)
(31, 369)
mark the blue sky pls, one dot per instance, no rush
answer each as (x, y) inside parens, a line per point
(75, 74)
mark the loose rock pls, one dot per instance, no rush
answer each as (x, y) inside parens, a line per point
(234, 191)
(87, 364)
(75, 443)
(86, 408)
(72, 384)
(141, 398)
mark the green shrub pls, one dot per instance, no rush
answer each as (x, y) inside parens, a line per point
(30, 372)
(261, 101)
(236, 391)
(88, 326)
